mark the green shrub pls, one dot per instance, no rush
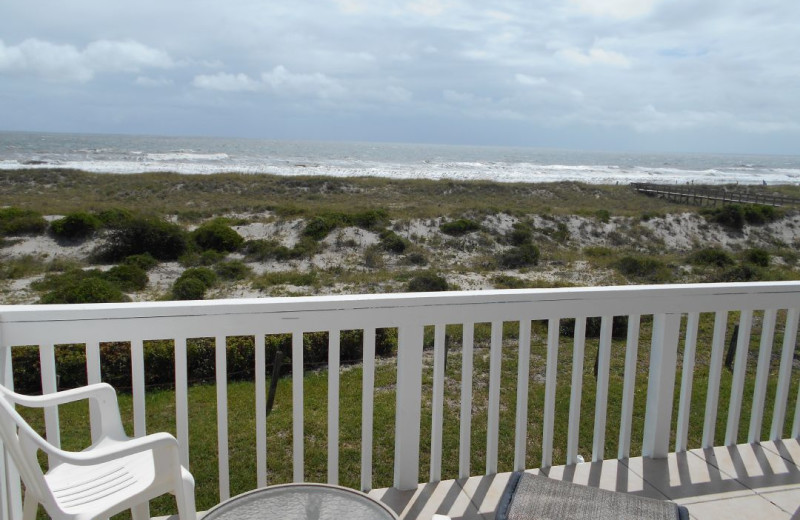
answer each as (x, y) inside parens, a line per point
(127, 277)
(735, 216)
(372, 219)
(391, 241)
(644, 268)
(598, 251)
(297, 278)
(521, 233)
(188, 289)
(757, 256)
(16, 221)
(89, 289)
(427, 282)
(204, 274)
(459, 227)
(162, 240)
(603, 215)
(711, 256)
(521, 256)
(115, 217)
(144, 261)
(75, 226)
(262, 250)
(318, 227)
(758, 214)
(321, 225)
(232, 270)
(416, 258)
(740, 273)
(217, 236)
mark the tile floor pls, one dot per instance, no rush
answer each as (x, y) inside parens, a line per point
(760, 481)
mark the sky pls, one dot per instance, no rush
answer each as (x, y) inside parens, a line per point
(618, 75)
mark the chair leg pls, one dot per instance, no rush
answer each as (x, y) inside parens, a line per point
(184, 497)
(29, 507)
(141, 511)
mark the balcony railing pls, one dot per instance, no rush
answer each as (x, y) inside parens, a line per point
(674, 318)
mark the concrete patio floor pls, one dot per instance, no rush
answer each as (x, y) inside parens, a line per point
(746, 481)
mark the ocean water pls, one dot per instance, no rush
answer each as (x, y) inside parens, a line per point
(203, 155)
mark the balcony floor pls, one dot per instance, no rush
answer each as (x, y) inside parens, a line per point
(746, 481)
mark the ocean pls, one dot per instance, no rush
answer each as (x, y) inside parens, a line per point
(129, 154)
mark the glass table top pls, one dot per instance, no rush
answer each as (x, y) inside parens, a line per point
(301, 502)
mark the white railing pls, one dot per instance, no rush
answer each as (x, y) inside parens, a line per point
(671, 309)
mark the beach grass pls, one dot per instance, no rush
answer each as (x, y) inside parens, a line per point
(196, 197)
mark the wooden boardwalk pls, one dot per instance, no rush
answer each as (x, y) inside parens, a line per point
(708, 195)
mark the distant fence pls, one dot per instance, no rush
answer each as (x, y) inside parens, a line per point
(707, 195)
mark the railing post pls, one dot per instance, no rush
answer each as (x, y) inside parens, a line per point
(661, 385)
(10, 488)
(408, 413)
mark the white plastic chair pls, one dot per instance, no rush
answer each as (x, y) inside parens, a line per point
(114, 474)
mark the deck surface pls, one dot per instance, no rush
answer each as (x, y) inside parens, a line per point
(760, 481)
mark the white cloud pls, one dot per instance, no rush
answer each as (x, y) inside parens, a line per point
(128, 56)
(57, 62)
(620, 9)
(595, 55)
(44, 59)
(530, 81)
(226, 82)
(283, 81)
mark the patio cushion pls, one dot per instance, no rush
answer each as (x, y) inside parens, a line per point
(528, 497)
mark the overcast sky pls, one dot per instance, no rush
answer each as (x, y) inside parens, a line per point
(649, 75)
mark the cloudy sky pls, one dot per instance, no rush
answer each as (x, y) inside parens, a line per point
(647, 75)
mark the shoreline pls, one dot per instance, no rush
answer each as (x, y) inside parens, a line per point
(465, 172)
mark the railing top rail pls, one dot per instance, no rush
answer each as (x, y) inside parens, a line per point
(175, 309)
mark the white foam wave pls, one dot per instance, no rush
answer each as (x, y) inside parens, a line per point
(204, 164)
(187, 156)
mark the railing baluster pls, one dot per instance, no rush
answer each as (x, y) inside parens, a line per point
(714, 374)
(408, 414)
(737, 385)
(690, 345)
(261, 409)
(601, 396)
(182, 400)
(10, 487)
(367, 403)
(47, 362)
(548, 419)
(629, 386)
(762, 374)
(523, 373)
(465, 419)
(92, 377)
(661, 385)
(333, 406)
(437, 404)
(222, 416)
(785, 374)
(576, 390)
(298, 474)
(493, 411)
(137, 383)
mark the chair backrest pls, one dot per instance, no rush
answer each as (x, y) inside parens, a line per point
(20, 441)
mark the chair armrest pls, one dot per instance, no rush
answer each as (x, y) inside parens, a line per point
(162, 441)
(101, 394)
